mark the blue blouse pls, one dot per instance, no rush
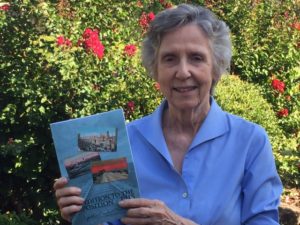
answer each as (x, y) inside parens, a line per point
(228, 174)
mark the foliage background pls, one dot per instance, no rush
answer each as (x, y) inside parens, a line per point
(42, 81)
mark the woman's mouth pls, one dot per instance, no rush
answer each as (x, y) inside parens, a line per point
(184, 89)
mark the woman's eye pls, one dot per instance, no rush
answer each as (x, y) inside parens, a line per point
(197, 58)
(169, 58)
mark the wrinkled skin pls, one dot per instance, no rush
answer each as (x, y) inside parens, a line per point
(68, 198)
(145, 211)
(139, 210)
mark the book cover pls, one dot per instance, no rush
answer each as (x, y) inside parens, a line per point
(94, 153)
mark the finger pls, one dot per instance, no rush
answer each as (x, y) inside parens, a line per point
(137, 202)
(67, 212)
(142, 212)
(68, 201)
(67, 191)
(136, 221)
(60, 183)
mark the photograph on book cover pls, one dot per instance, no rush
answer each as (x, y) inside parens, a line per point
(94, 153)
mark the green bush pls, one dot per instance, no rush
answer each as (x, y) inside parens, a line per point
(266, 44)
(43, 82)
(13, 219)
(246, 100)
(52, 68)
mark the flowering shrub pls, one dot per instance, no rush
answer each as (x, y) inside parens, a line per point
(145, 19)
(265, 39)
(92, 43)
(4, 7)
(278, 85)
(130, 50)
(246, 99)
(66, 59)
(54, 68)
(295, 25)
(283, 112)
(61, 41)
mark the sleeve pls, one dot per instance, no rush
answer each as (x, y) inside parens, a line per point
(261, 184)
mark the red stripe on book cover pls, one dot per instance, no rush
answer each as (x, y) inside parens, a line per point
(109, 165)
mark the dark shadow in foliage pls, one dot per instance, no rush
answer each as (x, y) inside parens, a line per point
(288, 216)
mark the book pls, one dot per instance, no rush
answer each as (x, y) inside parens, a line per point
(94, 153)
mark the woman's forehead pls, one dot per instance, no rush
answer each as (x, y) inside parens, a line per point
(184, 36)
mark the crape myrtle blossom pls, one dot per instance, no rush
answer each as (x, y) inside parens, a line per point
(278, 85)
(4, 7)
(62, 41)
(145, 19)
(130, 106)
(130, 50)
(296, 25)
(283, 112)
(92, 43)
(157, 86)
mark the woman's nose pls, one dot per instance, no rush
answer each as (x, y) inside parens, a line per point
(183, 71)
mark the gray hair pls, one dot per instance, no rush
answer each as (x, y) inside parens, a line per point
(216, 31)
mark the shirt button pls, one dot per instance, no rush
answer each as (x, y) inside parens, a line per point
(184, 194)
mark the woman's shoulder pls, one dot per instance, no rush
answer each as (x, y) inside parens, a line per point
(245, 126)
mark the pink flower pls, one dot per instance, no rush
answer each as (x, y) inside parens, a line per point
(90, 33)
(278, 85)
(296, 25)
(4, 7)
(62, 41)
(145, 19)
(130, 50)
(283, 112)
(68, 43)
(151, 16)
(157, 86)
(92, 43)
(130, 106)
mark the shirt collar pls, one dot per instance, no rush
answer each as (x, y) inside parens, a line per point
(213, 126)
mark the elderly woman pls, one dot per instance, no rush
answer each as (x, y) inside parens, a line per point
(195, 163)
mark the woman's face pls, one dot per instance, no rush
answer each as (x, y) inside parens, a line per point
(184, 68)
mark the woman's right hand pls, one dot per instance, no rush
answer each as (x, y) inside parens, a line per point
(68, 198)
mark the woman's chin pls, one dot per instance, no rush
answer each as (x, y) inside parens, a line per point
(187, 105)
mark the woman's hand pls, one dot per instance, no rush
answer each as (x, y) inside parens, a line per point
(68, 198)
(145, 211)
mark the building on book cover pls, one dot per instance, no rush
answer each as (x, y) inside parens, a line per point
(95, 154)
(102, 142)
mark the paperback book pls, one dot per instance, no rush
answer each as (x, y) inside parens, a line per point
(94, 153)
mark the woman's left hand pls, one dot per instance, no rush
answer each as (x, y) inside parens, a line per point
(146, 211)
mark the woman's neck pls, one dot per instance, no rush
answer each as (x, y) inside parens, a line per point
(186, 121)
(180, 128)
